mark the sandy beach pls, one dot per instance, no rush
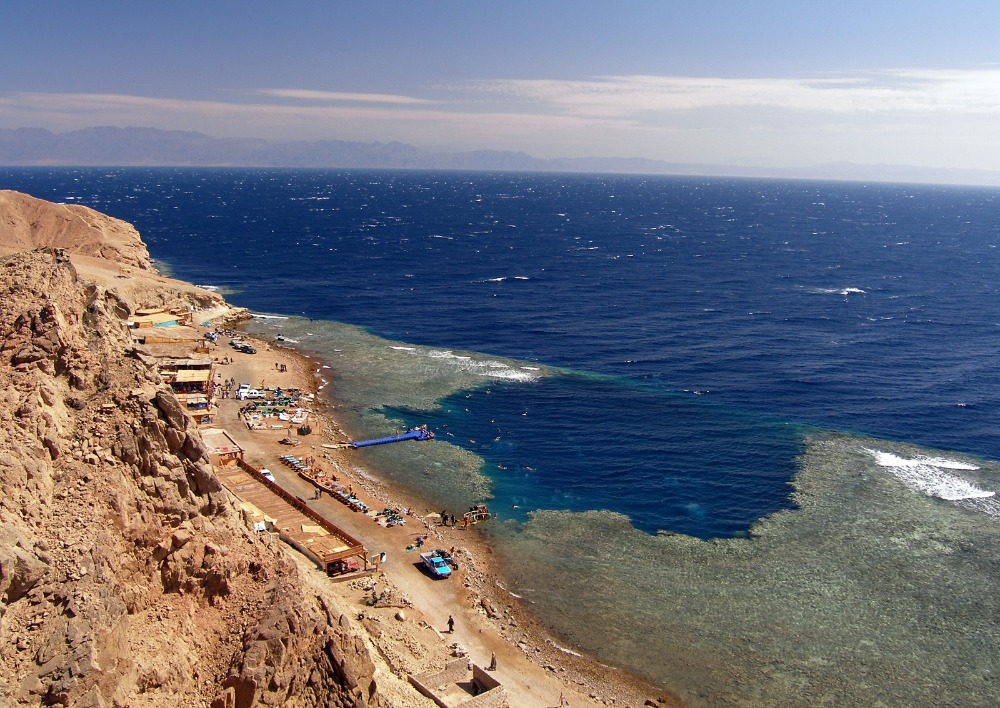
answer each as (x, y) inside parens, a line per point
(488, 620)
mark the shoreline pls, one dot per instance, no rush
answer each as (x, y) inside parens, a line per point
(502, 623)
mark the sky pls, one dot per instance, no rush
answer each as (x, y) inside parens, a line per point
(777, 83)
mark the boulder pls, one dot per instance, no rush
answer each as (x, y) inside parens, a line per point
(20, 571)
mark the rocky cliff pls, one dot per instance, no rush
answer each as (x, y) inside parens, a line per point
(28, 223)
(126, 577)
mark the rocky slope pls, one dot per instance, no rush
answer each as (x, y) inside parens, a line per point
(28, 223)
(126, 577)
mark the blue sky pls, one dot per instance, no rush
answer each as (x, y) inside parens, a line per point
(777, 83)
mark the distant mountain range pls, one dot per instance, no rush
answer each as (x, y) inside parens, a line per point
(109, 146)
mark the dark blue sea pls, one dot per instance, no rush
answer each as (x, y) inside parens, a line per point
(651, 346)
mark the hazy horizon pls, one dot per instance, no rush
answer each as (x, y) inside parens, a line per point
(785, 85)
(145, 147)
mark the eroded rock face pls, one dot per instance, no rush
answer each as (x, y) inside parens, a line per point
(296, 647)
(125, 576)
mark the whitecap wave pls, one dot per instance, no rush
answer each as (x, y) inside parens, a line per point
(837, 291)
(447, 355)
(404, 349)
(887, 459)
(927, 475)
(509, 374)
(490, 368)
(258, 316)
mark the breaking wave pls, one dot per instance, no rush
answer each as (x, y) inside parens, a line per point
(927, 475)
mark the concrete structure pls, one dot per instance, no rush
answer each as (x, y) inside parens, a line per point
(461, 684)
(159, 317)
(222, 449)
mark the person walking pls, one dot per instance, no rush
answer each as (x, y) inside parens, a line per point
(451, 624)
(493, 662)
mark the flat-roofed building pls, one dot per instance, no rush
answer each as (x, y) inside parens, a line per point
(222, 449)
(192, 381)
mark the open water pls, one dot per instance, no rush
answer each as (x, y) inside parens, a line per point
(649, 353)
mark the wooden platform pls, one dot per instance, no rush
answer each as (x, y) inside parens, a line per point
(297, 524)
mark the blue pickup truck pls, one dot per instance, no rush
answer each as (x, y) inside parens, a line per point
(436, 564)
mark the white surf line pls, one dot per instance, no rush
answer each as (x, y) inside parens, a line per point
(927, 475)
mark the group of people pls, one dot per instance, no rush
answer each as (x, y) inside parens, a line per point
(224, 390)
(445, 518)
(475, 513)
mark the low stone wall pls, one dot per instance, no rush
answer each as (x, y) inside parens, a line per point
(492, 693)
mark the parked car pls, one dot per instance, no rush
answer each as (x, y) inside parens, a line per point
(247, 349)
(436, 564)
(267, 474)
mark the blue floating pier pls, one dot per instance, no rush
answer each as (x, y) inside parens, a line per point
(421, 433)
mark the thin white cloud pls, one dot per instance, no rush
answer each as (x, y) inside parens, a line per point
(86, 109)
(614, 101)
(908, 91)
(338, 97)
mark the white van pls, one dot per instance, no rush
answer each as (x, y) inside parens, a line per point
(242, 391)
